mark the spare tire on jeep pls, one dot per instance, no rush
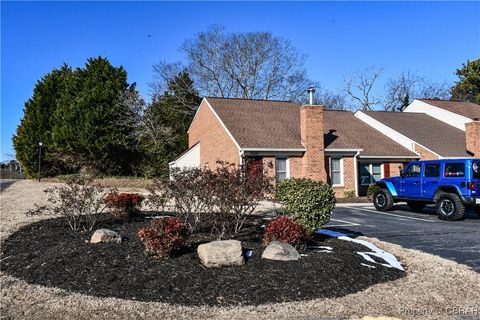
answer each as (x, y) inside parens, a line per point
(449, 206)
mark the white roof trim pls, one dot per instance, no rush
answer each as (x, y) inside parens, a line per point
(389, 157)
(342, 150)
(391, 133)
(275, 149)
(446, 116)
(223, 124)
(219, 120)
(186, 153)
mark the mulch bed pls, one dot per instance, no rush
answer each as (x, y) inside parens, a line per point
(48, 253)
(354, 200)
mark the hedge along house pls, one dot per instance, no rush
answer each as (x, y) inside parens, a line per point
(292, 141)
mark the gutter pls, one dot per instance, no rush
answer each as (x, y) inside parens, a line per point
(355, 165)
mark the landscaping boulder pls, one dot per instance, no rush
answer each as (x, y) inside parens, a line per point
(277, 250)
(221, 253)
(105, 235)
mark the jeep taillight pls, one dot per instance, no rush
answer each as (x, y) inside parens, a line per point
(471, 186)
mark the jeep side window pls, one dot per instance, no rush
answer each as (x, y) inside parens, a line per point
(432, 170)
(413, 170)
(454, 170)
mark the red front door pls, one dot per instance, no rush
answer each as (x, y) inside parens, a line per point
(255, 166)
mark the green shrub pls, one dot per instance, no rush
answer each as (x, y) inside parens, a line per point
(348, 194)
(371, 190)
(308, 202)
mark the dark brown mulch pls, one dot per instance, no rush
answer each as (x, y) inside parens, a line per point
(354, 200)
(48, 253)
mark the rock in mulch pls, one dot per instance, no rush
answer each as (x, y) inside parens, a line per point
(105, 235)
(221, 253)
(277, 250)
(106, 270)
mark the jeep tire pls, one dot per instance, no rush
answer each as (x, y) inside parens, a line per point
(477, 210)
(382, 200)
(449, 207)
(416, 206)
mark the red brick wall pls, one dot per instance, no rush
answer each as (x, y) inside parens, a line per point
(472, 138)
(215, 143)
(269, 166)
(311, 127)
(348, 176)
(295, 167)
(394, 169)
(425, 154)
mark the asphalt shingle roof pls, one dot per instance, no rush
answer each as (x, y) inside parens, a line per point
(276, 125)
(345, 131)
(434, 134)
(260, 123)
(466, 109)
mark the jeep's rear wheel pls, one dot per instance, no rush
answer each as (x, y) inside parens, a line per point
(382, 200)
(450, 207)
(477, 210)
(416, 205)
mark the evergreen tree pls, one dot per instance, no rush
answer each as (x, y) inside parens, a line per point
(37, 123)
(468, 86)
(89, 131)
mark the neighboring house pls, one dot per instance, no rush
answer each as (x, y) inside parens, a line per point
(418, 132)
(349, 151)
(455, 113)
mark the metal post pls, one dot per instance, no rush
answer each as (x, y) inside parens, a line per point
(311, 91)
(40, 161)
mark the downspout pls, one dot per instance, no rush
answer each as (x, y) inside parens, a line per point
(356, 172)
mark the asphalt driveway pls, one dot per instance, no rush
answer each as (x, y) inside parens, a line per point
(455, 240)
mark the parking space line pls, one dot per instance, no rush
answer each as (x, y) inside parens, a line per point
(346, 223)
(351, 223)
(389, 214)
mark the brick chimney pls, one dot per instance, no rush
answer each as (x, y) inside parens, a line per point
(472, 138)
(311, 127)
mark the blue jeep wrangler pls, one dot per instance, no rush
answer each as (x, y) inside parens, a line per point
(451, 184)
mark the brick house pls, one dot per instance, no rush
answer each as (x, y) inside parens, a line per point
(348, 150)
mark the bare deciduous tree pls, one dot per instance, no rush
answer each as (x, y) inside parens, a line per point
(400, 91)
(169, 79)
(333, 100)
(143, 122)
(253, 65)
(359, 88)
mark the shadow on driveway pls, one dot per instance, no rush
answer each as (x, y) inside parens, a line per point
(5, 183)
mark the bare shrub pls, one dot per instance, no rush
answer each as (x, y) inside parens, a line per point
(79, 201)
(229, 192)
(236, 194)
(188, 192)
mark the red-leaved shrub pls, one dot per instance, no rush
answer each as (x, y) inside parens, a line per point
(123, 205)
(163, 236)
(286, 230)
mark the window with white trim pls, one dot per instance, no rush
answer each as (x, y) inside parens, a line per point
(370, 173)
(281, 168)
(336, 171)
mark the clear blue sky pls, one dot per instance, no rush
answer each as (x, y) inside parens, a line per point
(432, 39)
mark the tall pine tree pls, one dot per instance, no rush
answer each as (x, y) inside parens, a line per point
(467, 87)
(89, 131)
(37, 123)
